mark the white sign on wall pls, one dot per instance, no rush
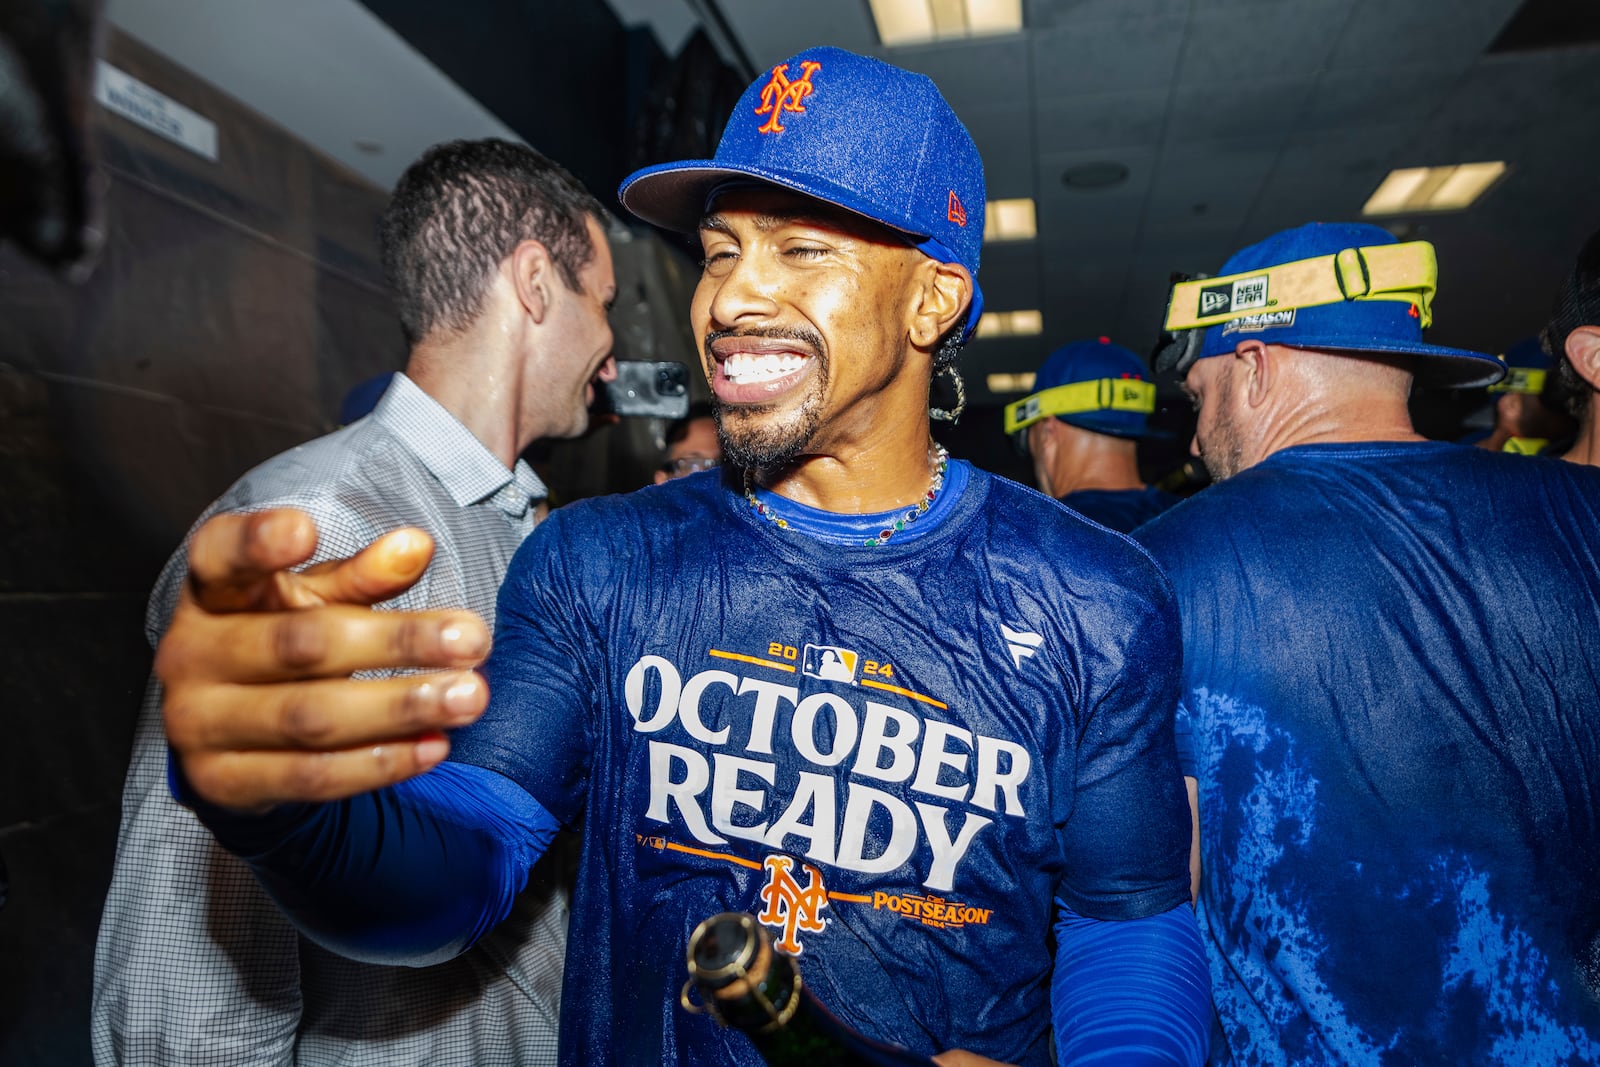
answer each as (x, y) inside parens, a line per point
(135, 101)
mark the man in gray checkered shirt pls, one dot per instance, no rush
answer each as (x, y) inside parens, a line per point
(503, 277)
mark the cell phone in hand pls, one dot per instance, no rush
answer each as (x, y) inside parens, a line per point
(658, 389)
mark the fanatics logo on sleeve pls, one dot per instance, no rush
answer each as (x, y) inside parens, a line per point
(1242, 295)
(780, 94)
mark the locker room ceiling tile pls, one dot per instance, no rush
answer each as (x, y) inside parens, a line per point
(990, 72)
(1262, 108)
(1010, 276)
(1344, 99)
(1248, 44)
(1101, 120)
(1106, 55)
(1382, 33)
(1005, 141)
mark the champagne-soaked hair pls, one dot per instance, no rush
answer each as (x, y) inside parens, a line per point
(460, 210)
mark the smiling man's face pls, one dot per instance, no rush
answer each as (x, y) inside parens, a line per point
(803, 313)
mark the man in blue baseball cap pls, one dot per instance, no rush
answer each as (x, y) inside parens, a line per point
(912, 718)
(1388, 680)
(1081, 426)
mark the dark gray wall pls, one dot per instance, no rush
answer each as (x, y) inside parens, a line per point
(235, 303)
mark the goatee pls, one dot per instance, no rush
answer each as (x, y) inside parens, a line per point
(756, 437)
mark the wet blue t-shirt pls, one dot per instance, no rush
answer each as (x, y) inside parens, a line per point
(1123, 510)
(1392, 672)
(896, 757)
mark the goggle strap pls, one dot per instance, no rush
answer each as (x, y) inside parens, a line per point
(1075, 398)
(1401, 272)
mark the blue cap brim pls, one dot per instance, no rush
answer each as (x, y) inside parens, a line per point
(1434, 366)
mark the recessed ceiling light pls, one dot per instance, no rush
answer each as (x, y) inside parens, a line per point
(1011, 383)
(1010, 324)
(1412, 189)
(1010, 220)
(903, 22)
(1099, 175)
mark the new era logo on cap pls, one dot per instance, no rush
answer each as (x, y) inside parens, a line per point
(956, 214)
(1242, 295)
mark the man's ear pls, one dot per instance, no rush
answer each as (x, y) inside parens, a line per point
(533, 273)
(941, 302)
(1042, 437)
(1258, 364)
(1583, 350)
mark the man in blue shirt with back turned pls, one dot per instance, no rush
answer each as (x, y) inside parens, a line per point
(1389, 671)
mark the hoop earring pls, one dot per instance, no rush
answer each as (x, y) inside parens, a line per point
(954, 414)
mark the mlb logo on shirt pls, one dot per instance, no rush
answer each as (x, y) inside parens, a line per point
(830, 663)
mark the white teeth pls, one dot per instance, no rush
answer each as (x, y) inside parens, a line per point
(748, 368)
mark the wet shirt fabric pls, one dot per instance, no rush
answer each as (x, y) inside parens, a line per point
(1392, 675)
(896, 757)
(1123, 510)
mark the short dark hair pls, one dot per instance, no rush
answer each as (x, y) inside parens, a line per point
(460, 210)
(1578, 304)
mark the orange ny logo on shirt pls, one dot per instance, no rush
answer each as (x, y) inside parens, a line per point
(780, 94)
(791, 907)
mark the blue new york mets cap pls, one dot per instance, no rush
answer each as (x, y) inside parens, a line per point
(1381, 326)
(848, 130)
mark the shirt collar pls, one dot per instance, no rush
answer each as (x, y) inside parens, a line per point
(465, 467)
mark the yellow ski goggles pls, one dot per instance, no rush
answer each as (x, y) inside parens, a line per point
(1074, 398)
(1402, 272)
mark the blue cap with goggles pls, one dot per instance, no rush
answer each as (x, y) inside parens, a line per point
(1094, 385)
(1340, 287)
(850, 131)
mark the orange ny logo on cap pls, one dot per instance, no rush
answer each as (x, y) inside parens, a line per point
(957, 214)
(780, 94)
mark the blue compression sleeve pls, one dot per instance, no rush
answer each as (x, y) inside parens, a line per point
(410, 875)
(1130, 993)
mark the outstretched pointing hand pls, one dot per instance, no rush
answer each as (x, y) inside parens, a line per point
(259, 705)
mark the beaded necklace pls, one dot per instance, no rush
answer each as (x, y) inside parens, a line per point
(938, 460)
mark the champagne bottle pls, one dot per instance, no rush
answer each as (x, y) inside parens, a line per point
(746, 984)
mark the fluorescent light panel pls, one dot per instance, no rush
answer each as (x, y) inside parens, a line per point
(1011, 383)
(903, 22)
(1415, 189)
(1010, 324)
(1010, 220)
